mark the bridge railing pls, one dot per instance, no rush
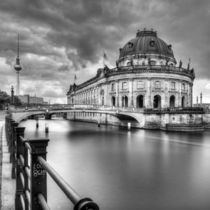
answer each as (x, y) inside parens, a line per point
(30, 169)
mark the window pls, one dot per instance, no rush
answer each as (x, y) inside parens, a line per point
(152, 43)
(140, 84)
(102, 92)
(172, 101)
(113, 87)
(183, 86)
(157, 84)
(152, 63)
(173, 85)
(124, 85)
(130, 44)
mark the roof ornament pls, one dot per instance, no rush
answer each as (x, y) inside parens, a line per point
(138, 32)
(180, 64)
(117, 64)
(75, 78)
(188, 65)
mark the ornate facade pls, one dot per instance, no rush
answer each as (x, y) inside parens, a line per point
(146, 76)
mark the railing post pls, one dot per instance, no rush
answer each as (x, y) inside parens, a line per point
(19, 150)
(13, 149)
(38, 173)
(26, 178)
(9, 139)
(6, 126)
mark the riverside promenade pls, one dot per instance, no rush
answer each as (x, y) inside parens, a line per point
(7, 185)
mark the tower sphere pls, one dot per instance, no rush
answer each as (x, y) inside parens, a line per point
(17, 67)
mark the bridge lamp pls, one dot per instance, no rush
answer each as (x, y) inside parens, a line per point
(129, 125)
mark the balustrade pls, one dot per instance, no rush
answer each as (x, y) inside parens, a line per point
(30, 169)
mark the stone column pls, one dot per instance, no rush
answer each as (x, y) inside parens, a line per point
(191, 96)
(148, 97)
(106, 95)
(180, 94)
(117, 93)
(130, 98)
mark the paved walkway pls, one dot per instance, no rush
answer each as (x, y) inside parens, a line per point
(7, 185)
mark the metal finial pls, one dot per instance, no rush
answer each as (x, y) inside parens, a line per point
(18, 47)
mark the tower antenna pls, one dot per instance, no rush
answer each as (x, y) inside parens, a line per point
(18, 67)
(18, 47)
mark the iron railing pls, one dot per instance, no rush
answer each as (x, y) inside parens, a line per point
(30, 169)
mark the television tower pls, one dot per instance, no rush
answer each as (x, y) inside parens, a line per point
(18, 68)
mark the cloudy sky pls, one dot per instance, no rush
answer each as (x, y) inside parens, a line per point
(61, 38)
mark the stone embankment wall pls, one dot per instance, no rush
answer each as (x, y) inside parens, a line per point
(163, 121)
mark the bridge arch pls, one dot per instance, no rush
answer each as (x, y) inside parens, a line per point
(123, 116)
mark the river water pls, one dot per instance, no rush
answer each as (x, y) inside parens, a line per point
(123, 170)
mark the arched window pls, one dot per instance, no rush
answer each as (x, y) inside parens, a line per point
(113, 100)
(124, 101)
(140, 101)
(172, 101)
(102, 101)
(157, 102)
(183, 101)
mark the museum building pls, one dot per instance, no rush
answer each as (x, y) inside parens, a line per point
(146, 76)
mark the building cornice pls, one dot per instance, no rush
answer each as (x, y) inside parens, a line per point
(106, 73)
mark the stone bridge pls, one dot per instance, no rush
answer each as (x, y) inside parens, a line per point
(125, 114)
(178, 119)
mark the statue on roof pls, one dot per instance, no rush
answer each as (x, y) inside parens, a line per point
(180, 64)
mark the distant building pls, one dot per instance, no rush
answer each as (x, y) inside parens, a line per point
(35, 100)
(29, 100)
(203, 105)
(24, 99)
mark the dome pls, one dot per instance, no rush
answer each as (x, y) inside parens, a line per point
(147, 43)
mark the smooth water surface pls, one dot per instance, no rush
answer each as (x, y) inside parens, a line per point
(119, 169)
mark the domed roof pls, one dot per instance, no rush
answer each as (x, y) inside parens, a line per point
(147, 42)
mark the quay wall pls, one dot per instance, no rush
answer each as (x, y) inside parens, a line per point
(160, 121)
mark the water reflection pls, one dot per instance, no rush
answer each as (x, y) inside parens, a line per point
(120, 169)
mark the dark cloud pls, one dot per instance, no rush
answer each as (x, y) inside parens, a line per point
(64, 68)
(59, 37)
